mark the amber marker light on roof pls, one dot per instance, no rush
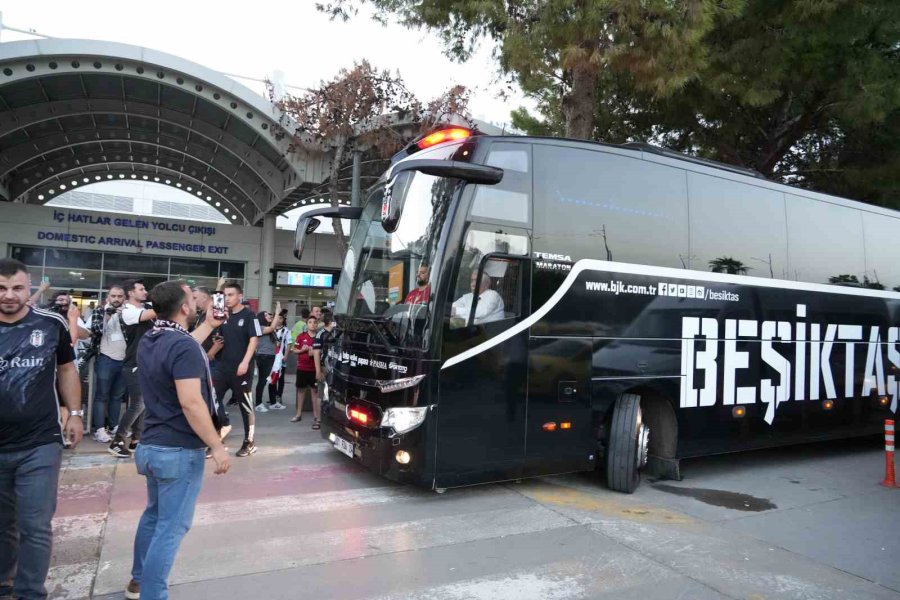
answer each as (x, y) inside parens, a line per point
(443, 135)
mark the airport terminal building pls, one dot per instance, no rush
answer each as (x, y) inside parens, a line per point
(84, 251)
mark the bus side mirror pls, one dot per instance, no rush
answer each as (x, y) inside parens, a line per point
(402, 175)
(305, 226)
(309, 222)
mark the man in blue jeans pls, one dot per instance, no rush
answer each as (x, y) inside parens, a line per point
(36, 363)
(110, 391)
(179, 402)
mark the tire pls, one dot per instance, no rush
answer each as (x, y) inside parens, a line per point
(624, 457)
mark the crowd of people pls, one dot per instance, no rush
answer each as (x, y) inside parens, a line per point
(163, 370)
(108, 336)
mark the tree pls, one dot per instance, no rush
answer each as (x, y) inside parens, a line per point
(726, 264)
(806, 92)
(566, 45)
(363, 108)
(845, 279)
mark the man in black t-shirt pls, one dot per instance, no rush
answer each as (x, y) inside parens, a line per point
(136, 320)
(36, 364)
(179, 401)
(234, 369)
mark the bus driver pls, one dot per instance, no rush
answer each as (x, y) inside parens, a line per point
(488, 309)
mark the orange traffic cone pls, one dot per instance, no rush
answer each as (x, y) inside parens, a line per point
(890, 479)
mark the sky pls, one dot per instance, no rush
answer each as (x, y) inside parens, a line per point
(289, 36)
(254, 39)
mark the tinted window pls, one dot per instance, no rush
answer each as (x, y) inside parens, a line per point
(736, 228)
(136, 263)
(110, 278)
(231, 270)
(509, 200)
(78, 259)
(195, 266)
(73, 278)
(882, 250)
(502, 275)
(29, 256)
(592, 204)
(825, 241)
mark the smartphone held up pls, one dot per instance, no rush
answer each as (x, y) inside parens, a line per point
(219, 305)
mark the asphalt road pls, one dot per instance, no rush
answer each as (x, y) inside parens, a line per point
(300, 520)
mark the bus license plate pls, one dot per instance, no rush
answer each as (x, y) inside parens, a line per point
(343, 446)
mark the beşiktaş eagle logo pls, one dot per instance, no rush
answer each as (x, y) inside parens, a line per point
(37, 338)
(802, 379)
(241, 323)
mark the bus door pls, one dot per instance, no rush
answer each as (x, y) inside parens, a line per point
(482, 392)
(560, 435)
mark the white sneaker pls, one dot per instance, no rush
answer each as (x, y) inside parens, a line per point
(102, 436)
(262, 408)
(225, 431)
(277, 406)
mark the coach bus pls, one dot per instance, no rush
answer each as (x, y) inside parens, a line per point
(580, 305)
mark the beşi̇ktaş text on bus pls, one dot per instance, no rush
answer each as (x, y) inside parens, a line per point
(812, 345)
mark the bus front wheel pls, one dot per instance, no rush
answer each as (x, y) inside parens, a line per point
(626, 448)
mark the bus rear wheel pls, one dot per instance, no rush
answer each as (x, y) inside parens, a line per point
(626, 449)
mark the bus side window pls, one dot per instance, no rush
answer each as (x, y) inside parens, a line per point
(499, 293)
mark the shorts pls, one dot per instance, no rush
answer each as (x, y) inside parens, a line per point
(306, 379)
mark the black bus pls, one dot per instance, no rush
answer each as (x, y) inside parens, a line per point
(516, 306)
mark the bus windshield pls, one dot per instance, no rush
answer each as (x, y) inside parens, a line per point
(386, 283)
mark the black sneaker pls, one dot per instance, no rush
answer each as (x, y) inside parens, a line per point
(133, 445)
(247, 449)
(118, 449)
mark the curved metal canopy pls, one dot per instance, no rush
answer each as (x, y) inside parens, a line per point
(74, 112)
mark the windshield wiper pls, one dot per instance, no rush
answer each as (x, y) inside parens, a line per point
(379, 328)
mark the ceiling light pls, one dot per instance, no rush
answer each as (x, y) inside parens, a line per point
(52, 192)
(121, 176)
(226, 210)
(156, 179)
(97, 177)
(177, 185)
(233, 217)
(40, 196)
(168, 182)
(62, 186)
(86, 179)
(218, 204)
(145, 178)
(190, 189)
(74, 182)
(199, 193)
(209, 198)
(133, 176)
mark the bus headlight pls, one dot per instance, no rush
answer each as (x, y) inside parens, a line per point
(404, 419)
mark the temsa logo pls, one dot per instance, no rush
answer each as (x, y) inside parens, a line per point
(551, 256)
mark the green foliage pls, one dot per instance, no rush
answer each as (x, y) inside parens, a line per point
(565, 45)
(727, 264)
(806, 92)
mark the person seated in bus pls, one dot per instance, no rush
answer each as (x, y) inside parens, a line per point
(422, 293)
(488, 309)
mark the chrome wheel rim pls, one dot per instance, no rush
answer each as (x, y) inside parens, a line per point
(643, 445)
